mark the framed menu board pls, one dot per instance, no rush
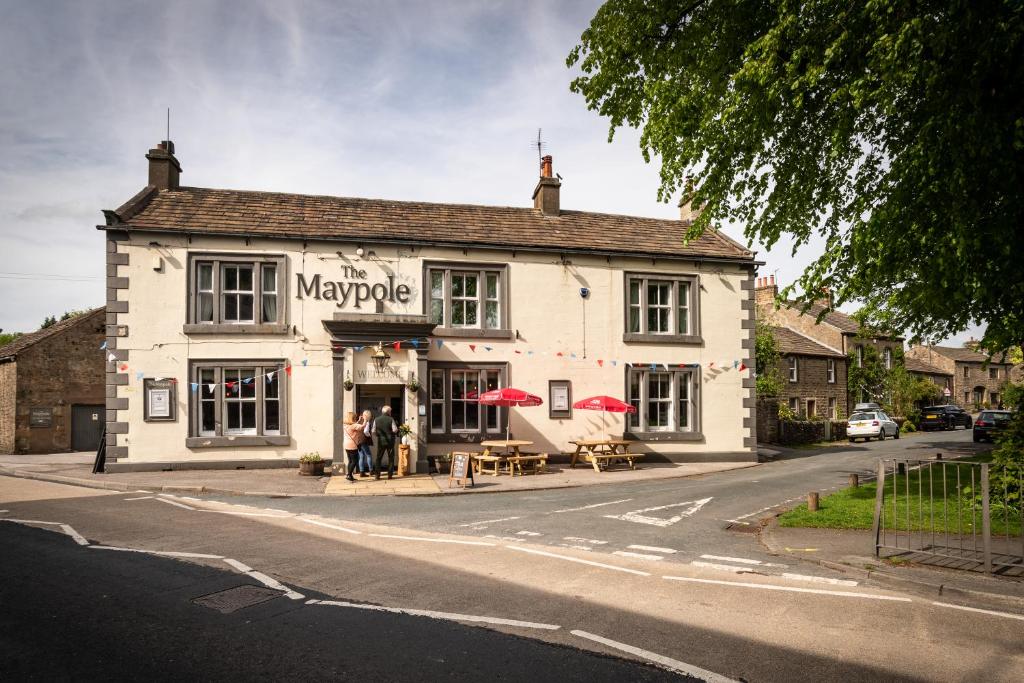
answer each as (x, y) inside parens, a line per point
(161, 400)
(559, 399)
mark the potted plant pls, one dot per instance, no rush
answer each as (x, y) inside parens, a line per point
(311, 465)
(348, 383)
(405, 431)
(413, 384)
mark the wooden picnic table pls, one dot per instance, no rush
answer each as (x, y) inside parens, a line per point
(596, 451)
(511, 447)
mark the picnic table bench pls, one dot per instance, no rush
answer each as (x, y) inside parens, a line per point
(480, 460)
(537, 463)
(604, 452)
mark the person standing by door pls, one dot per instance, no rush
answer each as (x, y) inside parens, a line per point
(365, 442)
(353, 435)
(385, 429)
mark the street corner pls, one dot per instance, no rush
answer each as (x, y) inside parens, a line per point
(412, 484)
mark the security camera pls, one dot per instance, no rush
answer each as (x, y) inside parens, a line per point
(584, 292)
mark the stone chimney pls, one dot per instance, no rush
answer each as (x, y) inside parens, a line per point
(765, 292)
(164, 168)
(545, 197)
(687, 212)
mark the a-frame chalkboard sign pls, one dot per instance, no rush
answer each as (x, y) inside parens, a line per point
(462, 470)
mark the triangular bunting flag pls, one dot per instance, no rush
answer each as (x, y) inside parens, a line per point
(518, 351)
(103, 346)
(415, 343)
(472, 347)
(572, 355)
(529, 353)
(397, 345)
(666, 365)
(600, 363)
(743, 366)
(270, 376)
(139, 375)
(559, 353)
(305, 362)
(247, 380)
(615, 363)
(229, 385)
(288, 370)
(194, 386)
(111, 357)
(735, 363)
(358, 348)
(711, 365)
(211, 387)
(124, 367)
(654, 366)
(488, 348)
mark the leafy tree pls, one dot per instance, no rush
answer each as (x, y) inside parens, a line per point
(48, 321)
(905, 390)
(866, 374)
(894, 130)
(7, 337)
(53, 320)
(766, 361)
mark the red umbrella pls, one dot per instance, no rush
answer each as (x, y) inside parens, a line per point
(507, 398)
(606, 404)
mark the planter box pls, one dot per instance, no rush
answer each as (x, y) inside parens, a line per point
(312, 469)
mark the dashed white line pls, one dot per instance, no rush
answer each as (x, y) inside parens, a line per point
(722, 567)
(653, 549)
(575, 547)
(577, 539)
(788, 589)
(590, 507)
(528, 533)
(667, 662)
(432, 540)
(578, 560)
(317, 522)
(981, 611)
(639, 556)
(742, 560)
(510, 539)
(176, 504)
(240, 514)
(140, 498)
(491, 521)
(819, 579)
(450, 616)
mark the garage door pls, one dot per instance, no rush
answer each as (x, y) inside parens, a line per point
(86, 427)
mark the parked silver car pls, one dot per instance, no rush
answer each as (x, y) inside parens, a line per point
(871, 424)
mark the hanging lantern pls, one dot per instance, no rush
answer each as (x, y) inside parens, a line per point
(380, 358)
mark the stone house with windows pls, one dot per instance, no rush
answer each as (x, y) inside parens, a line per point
(813, 376)
(919, 368)
(836, 330)
(246, 324)
(51, 387)
(976, 383)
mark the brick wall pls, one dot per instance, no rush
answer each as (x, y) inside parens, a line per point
(56, 373)
(812, 383)
(8, 388)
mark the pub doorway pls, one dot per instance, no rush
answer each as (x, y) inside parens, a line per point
(373, 397)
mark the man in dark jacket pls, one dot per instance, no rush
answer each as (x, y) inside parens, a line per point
(386, 429)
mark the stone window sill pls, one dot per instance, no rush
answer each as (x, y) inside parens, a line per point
(235, 441)
(664, 436)
(471, 333)
(662, 338)
(210, 328)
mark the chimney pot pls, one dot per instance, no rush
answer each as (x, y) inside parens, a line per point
(545, 167)
(773, 280)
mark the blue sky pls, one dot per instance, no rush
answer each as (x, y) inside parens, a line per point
(400, 100)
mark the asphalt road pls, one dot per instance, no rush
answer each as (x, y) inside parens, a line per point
(113, 611)
(684, 519)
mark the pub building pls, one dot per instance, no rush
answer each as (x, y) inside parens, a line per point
(241, 326)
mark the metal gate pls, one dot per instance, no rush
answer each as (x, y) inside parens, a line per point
(86, 427)
(962, 515)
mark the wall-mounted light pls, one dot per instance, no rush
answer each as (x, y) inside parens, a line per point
(380, 358)
(359, 252)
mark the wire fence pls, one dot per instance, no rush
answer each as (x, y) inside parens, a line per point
(965, 515)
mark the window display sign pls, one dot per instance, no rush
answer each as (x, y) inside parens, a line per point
(160, 400)
(40, 417)
(560, 399)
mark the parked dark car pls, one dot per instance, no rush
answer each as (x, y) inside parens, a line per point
(990, 423)
(944, 417)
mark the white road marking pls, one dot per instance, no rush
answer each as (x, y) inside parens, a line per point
(653, 549)
(240, 514)
(31, 521)
(276, 585)
(490, 521)
(641, 556)
(667, 662)
(819, 579)
(788, 589)
(432, 540)
(176, 504)
(189, 498)
(578, 560)
(510, 539)
(528, 533)
(438, 615)
(981, 611)
(79, 539)
(140, 498)
(640, 518)
(162, 553)
(722, 567)
(4, 511)
(244, 568)
(583, 540)
(317, 522)
(742, 560)
(589, 507)
(575, 547)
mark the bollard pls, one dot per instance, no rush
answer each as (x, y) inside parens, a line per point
(901, 468)
(854, 481)
(938, 456)
(812, 501)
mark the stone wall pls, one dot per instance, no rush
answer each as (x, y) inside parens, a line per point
(55, 373)
(812, 383)
(767, 420)
(978, 377)
(8, 389)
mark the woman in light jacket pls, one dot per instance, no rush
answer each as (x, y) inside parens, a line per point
(365, 452)
(353, 432)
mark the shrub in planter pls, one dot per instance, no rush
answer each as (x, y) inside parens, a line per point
(311, 464)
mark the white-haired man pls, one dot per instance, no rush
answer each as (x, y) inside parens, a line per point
(385, 428)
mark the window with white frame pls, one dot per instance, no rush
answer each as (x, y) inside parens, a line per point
(467, 301)
(887, 356)
(234, 293)
(793, 369)
(665, 400)
(455, 409)
(794, 405)
(831, 371)
(832, 409)
(237, 399)
(661, 308)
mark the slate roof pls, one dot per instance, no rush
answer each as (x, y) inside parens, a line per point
(236, 212)
(31, 338)
(917, 365)
(962, 355)
(794, 343)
